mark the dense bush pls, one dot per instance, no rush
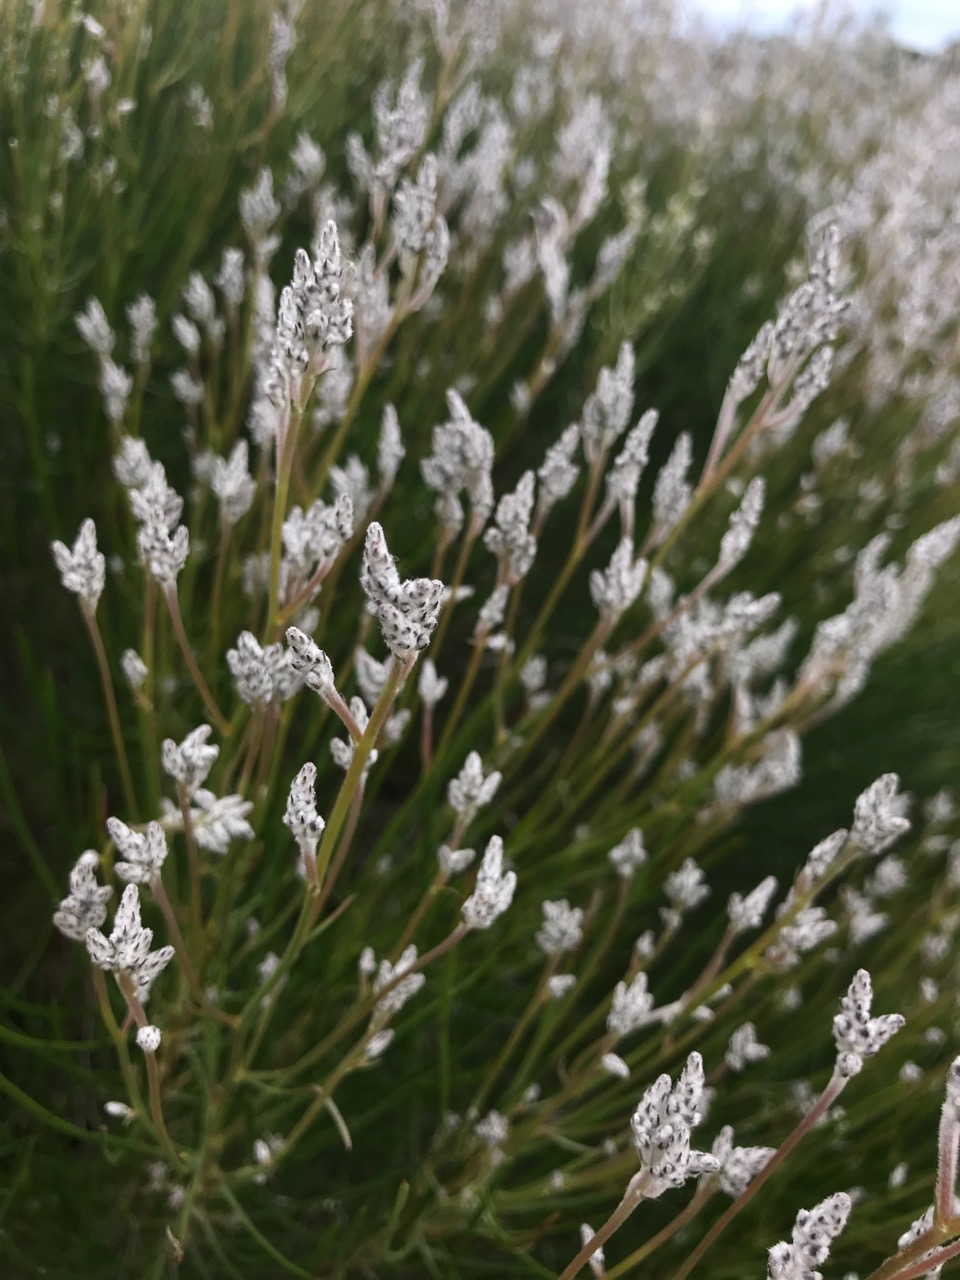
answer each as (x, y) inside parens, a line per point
(639, 352)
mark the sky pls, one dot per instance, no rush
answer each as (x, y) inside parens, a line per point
(919, 24)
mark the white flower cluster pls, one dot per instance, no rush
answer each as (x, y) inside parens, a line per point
(471, 789)
(82, 568)
(310, 662)
(562, 928)
(662, 1127)
(190, 761)
(142, 853)
(493, 891)
(685, 888)
(115, 382)
(312, 539)
(452, 861)
(813, 1233)
(127, 950)
(808, 929)
(738, 1165)
(631, 1007)
(264, 674)
(493, 1131)
(404, 986)
(408, 611)
(414, 224)
(856, 1034)
(216, 820)
(85, 907)
(390, 447)
(301, 816)
(878, 815)
(743, 525)
(614, 589)
(142, 318)
(748, 912)
(163, 544)
(431, 686)
(558, 472)
(148, 1038)
(401, 115)
(232, 483)
(134, 669)
(629, 854)
(672, 492)
(607, 409)
(744, 1048)
(510, 538)
(314, 313)
(623, 476)
(259, 210)
(461, 462)
(885, 606)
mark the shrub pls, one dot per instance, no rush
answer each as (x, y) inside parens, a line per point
(429, 842)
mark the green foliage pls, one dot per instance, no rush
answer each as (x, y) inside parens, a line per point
(378, 1170)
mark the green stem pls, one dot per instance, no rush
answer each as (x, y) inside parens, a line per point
(903, 1266)
(193, 863)
(505, 666)
(399, 668)
(582, 539)
(265, 1244)
(281, 495)
(463, 693)
(709, 484)
(148, 722)
(173, 605)
(218, 577)
(365, 1006)
(325, 1094)
(703, 1193)
(117, 1036)
(176, 937)
(254, 739)
(547, 608)
(129, 992)
(426, 738)
(578, 670)
(421, 909)
(515, 1037)
(397, 673)
(364, 378)
(113, 715)
(632, 1198)
(336, 866)
(456, 582)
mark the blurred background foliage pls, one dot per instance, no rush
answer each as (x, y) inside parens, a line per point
(154, 197)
